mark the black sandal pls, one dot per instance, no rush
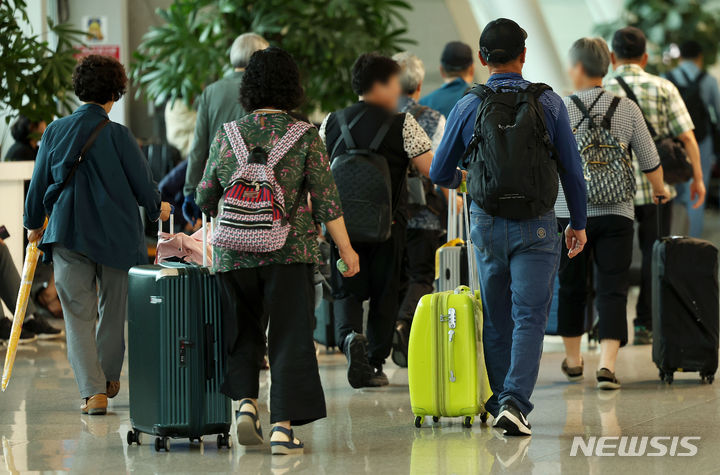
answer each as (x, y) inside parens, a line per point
(289, 447)
(249, 431)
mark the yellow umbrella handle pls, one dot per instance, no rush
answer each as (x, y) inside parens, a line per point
(31, 260)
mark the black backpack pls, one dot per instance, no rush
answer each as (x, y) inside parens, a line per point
(511, 161)
(363, 180)
(690, 93)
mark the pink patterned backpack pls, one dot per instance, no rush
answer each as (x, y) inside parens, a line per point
(253, 217)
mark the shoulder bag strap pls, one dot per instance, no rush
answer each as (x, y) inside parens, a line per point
(607, 119)
(631, 95)
(81, 156)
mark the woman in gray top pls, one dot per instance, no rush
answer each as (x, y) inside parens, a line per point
(607, 129)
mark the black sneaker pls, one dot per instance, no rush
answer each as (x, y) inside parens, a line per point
(401, 340)
(42, 328)
(643, 335)
(378, 378)
(606, 379)
(26, 336)
(512, 421)
(359, 370)
(572, 374)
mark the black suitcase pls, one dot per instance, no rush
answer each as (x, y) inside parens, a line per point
(685, 307)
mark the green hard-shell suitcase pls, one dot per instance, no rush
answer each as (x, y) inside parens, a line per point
(176, 361)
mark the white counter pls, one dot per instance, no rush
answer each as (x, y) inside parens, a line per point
(13, 176)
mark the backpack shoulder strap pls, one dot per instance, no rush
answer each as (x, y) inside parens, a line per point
(382, 132)
(345, 128)
(482, 91)
(583, 110)
(287, 141)
(607, 118)
(236, 142)
(537, 89)
(631, 95)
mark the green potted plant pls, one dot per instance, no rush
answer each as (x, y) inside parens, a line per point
(35, 79)
(176, 60)
(670, 22)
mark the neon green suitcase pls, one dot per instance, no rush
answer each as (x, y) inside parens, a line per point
(446, 366)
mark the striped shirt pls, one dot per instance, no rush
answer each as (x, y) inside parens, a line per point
(663, 107)
(628, 127)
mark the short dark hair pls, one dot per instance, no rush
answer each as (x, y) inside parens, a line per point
(629, 43)
(371, 68)
(271, 79)
(21, 128)
(691, 49)
(99, 79)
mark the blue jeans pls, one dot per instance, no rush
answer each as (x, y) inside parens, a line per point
(696, 216)
(517, 262)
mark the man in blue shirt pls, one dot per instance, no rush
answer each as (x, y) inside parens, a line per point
(691, 79)
(517, 258)
(457, 69)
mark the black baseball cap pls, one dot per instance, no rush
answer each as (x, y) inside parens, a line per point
(629, 43)
(456, 56)
(501, 41)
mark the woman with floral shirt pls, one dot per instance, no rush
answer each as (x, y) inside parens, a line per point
(278, 283)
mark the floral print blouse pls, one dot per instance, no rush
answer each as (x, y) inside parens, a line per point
(306, 162)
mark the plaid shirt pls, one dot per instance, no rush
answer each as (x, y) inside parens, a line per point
(663, 107)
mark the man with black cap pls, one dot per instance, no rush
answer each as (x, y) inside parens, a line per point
(457, 69)
(667, 116)
(514, 229)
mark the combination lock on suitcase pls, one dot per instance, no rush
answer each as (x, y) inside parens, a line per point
(176, 362)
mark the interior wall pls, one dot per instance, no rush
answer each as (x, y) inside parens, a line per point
(141, 16)
(115, 12)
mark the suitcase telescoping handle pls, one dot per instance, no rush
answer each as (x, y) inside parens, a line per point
(171, 224)
(658, 215)
(473, 277)
(205, 222)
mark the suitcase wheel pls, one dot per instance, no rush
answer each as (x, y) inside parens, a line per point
(468, 422)
(666, 377)
(483, 417)
(223, 440)
(707, 378)
(162, 443)
(436, 419)
(134, 436)
(419, 421)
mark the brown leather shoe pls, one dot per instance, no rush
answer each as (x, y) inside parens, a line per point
(95, 405)
(112, 388)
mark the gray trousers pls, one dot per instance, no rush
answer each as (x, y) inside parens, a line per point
(87, 288)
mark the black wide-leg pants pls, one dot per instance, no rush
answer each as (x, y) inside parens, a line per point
(285, 292)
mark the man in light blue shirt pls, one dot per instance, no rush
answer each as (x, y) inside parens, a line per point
(702, 98)
(457, 68)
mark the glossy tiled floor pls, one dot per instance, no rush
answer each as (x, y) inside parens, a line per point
(368, 431)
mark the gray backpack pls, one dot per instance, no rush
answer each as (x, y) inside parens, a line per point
(607, 164)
